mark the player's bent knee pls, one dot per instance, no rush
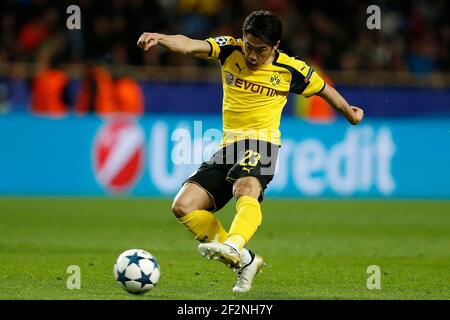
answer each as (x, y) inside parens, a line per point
(180, 208)
(247, 187)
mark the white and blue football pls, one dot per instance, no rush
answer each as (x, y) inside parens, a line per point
(136, 271)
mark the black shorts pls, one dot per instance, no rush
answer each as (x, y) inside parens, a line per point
(245, 158)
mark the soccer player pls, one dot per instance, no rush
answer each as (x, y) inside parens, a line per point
(257, 78)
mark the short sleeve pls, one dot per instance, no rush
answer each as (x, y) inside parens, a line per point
(221, 46)
(314, 83)
(305, 80)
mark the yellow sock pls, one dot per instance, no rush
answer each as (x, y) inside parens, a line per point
(246, 222)
(204, 225)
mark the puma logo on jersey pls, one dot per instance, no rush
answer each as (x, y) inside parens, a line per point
(239, 67)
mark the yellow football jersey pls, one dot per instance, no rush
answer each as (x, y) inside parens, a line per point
(254, 99)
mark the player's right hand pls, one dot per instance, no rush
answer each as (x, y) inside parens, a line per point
(147, 40)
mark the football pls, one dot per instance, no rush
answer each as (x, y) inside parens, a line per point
(136, 271)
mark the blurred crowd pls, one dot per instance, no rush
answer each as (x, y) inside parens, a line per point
(414, 35)
(330, 35)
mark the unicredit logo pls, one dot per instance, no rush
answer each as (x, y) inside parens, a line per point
(118, 154)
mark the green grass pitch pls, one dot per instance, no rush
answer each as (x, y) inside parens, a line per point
(313, 249)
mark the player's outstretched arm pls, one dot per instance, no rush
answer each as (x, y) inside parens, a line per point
(353, 114)
(176, 43)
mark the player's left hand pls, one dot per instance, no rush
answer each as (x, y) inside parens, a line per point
(359, 114)
(148, 40)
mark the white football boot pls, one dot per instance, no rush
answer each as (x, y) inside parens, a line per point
(247, 273)
(221, 252)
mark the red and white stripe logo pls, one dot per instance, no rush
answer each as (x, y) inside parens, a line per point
(118, 154)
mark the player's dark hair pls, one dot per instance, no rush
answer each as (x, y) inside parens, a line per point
(264, 25)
